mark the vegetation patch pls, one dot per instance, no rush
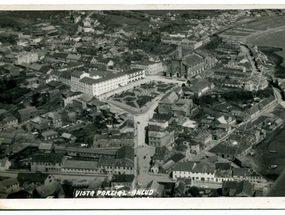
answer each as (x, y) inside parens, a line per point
(132, 104)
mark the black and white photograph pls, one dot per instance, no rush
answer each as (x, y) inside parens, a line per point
(181, 104)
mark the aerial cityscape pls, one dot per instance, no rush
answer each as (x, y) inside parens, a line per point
(142, 103)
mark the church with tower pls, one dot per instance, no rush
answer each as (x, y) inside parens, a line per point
(190, 64)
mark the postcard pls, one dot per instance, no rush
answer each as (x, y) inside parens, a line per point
(142, 107)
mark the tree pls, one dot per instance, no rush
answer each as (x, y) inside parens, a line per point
(194, 191)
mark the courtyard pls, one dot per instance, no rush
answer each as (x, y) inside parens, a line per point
(142, 96)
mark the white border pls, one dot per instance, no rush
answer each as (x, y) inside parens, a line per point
(140, 203)
(142, 6)
(148, 203)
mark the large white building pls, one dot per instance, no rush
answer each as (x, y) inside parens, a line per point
(27, 57)
(195, 171)
(96, 83)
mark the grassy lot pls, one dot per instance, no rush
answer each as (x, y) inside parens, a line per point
(129, 99)
(142, 100)
(264, 23)
(272, 39)
(132, 104)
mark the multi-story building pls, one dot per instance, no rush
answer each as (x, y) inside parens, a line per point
(240, 174)
(150, 67)
(27, 113)
(65, 78)
(49, 135)
(123, 163)
(8, 121)
(90, 152)
(27, 57)
(166, 104)
(80, 166)
(195, 171)
(114, 141)
(96, 84)
(47, 162)
(67, 98)
(119, 181)
(116, 166)
(158, 137)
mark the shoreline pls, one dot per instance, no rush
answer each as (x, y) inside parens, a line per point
(275, 55)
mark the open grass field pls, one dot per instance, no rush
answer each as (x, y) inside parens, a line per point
(264, 23)
(274, 38)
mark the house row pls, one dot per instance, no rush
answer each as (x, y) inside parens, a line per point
(114, 140)
(215, 172)
(113, 162)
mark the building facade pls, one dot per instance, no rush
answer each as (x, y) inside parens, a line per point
(150, 67)
(96, 85)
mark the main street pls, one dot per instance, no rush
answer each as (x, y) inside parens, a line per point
(144, 152)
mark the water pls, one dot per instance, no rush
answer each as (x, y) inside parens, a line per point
(275, 59)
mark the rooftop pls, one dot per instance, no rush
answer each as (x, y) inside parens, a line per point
(79, 164)
(45, 146)
(47, 158)
(122, 178)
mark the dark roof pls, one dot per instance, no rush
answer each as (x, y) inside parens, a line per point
(88, 80)
(9, 182)
(223, 166)
(229, 184)
(165, 117)
(80, 164)
(169, 98)
(47, 158)
(91, 150)
(77, 73)
(192, 60)
(176, 158)
(184, 166)
(199, 85)
(27, 110)
(54, 84)
(125, 152)
(65, 74)
(230, 149)
(123, 178)
(60, 55)
(32, 177)
(244, 187)
(241, 172)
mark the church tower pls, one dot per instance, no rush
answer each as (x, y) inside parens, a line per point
(179, 52)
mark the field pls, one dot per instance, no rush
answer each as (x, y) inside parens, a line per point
(274, 38)
(264, 23)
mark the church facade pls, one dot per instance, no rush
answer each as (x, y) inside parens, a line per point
(190, 64)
